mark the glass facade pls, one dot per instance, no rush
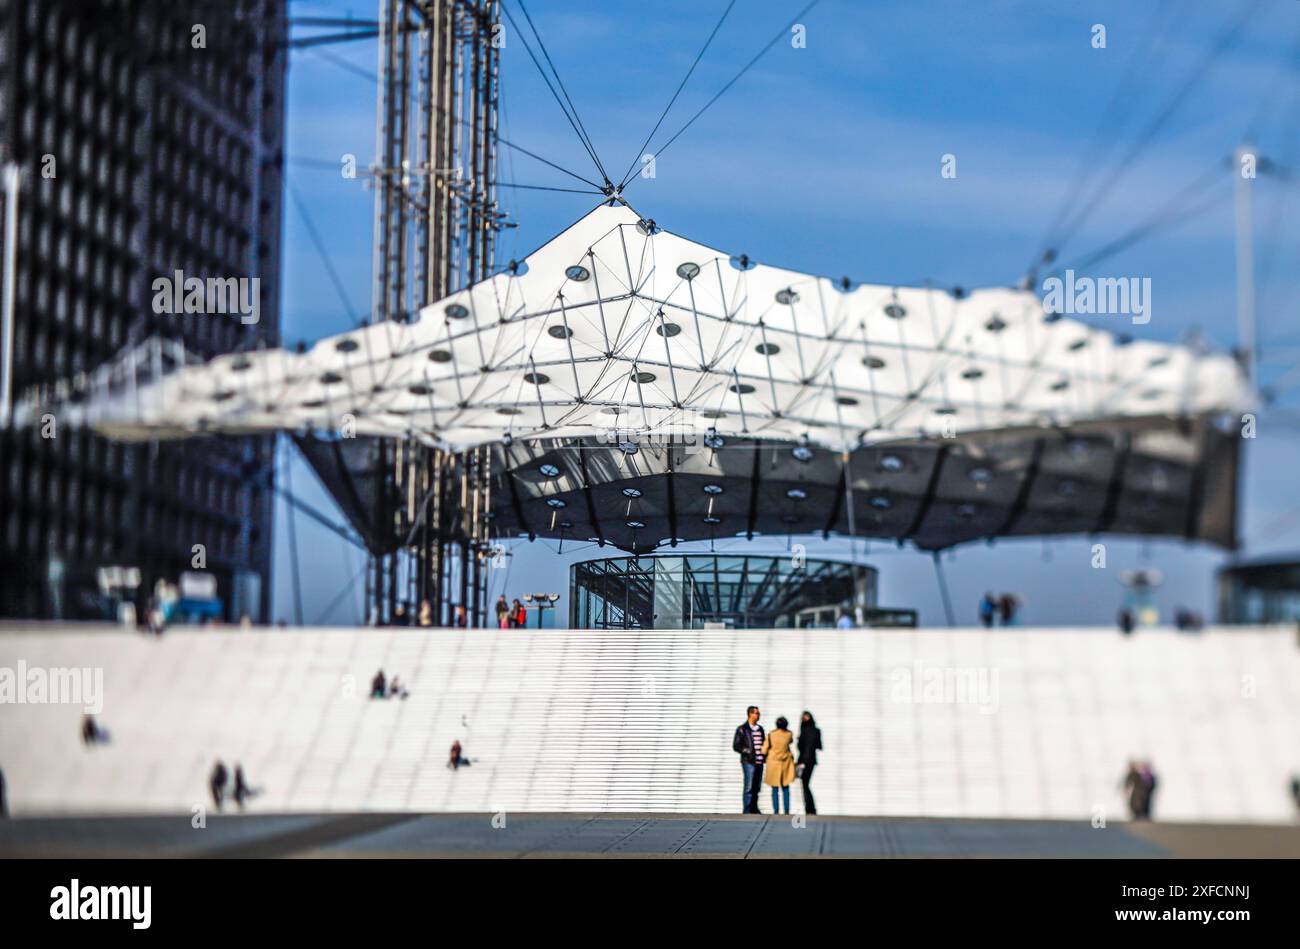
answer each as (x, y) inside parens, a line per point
(695, 591)
(1260, 592)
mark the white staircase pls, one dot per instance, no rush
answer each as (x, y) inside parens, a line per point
(642, 721)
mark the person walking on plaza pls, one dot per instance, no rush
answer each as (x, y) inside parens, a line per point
(1140, 783)
(780, 764)
(748, 743)
(810, 742)
(503, 613)
(217, 784)
(988, 607)
(519, 615)
(242, 791)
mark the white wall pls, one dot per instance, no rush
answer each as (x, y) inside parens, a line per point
(643, 720)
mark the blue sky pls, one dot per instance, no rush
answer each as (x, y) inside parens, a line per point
(827, 159)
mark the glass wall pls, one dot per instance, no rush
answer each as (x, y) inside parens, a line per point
(1260, 593)
(692, 591)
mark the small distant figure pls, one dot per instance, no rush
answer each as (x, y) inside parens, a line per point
(4, 801)
(988, 609)
(1007, 606)
(457, 760)
(810, 742)
(399, 616)
(242, 791)
(396, 688)
(462, 618)
(779, 771)
(1140, 782)
(157, 618)
(845, 621)
(503, 612)
(217, 784)
(379, 686)
(245, 621)
(1295, 789)
(1126, 621)
(518, 615)
(91, 733)
(426, 613)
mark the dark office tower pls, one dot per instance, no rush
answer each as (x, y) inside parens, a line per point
(149, 134)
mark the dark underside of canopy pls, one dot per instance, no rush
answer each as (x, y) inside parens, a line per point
(1155, 477)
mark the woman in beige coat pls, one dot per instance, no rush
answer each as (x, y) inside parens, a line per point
(779, 771)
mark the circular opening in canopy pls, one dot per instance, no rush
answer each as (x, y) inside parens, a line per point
(895, 310)
(796, 494)
(713, 489)
(786, 296)
(688, 270)
(741, 388)
(577, 273)
(440, 355)
(631, 492)
(556, 502)
(549, 470)
(559, 331)
(642, 378)
(536, 378)
(456, 311)
(668, 329)
(767, 349)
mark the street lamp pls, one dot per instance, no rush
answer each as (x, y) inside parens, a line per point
(543, 601)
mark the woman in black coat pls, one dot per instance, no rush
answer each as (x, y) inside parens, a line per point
(810, 742)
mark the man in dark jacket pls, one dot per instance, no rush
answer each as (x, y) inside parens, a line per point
(748, 743)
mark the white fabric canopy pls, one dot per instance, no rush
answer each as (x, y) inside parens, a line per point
(616, 324)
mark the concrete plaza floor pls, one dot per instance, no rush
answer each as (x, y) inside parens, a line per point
(626, 835)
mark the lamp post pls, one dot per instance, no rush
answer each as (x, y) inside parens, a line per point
(543, 601)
